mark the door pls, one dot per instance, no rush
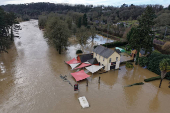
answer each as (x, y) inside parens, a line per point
(112, 67)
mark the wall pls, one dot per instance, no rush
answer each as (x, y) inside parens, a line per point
(106, 60)
(113, 59)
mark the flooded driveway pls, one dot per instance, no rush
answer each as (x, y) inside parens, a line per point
(30, 82)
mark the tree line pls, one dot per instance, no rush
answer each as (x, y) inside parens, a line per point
(6, 29)
(125, 12)
(106, 19)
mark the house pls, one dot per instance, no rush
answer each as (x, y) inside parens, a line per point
(106, 57)
(85, 57)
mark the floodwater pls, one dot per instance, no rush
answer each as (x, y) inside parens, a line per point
(100, 40)
(30, 82)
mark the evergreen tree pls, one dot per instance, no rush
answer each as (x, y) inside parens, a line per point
(69, 22)
(85, 20)
(79, 23)
(141, 37)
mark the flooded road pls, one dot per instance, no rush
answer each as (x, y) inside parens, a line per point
(30, 82)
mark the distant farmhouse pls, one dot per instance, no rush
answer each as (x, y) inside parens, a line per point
(106, 57)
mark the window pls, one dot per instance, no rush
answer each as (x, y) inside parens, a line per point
(96, 54)
(116, 58)
(110, 60)
(99, 57)
(103, 58)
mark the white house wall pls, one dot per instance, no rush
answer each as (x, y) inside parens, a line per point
(106, 60)
(113, 59)
(100, 59)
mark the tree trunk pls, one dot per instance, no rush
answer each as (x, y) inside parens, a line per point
(137, 56)
(12, 35)
(160, 83)
(59, 49)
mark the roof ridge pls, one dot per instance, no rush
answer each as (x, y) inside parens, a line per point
(103, 51)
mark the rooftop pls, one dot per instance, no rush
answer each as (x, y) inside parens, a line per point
(105, 52)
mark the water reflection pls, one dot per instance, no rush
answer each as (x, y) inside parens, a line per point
(154, 104)
(2, 67)
(87, 48)
(101, 40)
(110, 78)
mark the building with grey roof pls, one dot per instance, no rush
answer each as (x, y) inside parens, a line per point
(106, 57)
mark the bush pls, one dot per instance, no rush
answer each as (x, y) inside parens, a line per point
(152, 79)
(129, 65)
(143, 61)
(140, 83)
(79, 51)
(115, 44)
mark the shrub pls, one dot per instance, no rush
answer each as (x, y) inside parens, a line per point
(143, 61)
(140, 83)
(152, 79)
(129, 65)
(79, 51)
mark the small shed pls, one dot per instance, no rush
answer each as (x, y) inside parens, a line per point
(84, 57)
(134, 52)
(141, 53)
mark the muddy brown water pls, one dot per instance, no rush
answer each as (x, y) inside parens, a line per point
(30, 82)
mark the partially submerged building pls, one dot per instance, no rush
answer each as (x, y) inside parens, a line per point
(84, 57)
(106, 57)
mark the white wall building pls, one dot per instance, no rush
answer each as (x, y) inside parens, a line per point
(108, 58)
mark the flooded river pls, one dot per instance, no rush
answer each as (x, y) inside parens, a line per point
(30, 82)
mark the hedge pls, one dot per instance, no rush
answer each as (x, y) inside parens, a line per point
(143, 61)
(115, 44)
(153, 63)
(152, 79)
(109, 36)
(140, 83)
